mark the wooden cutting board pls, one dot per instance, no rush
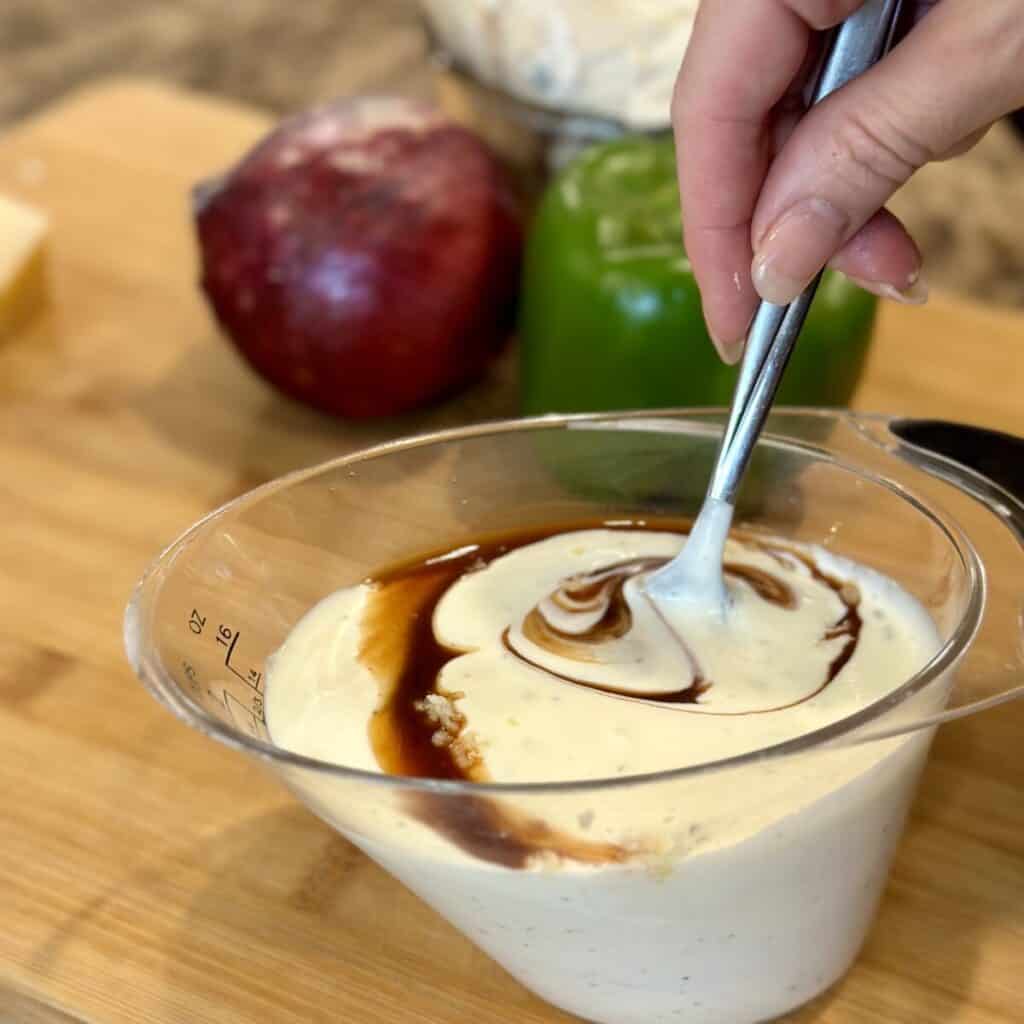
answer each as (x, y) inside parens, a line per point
(150, 875)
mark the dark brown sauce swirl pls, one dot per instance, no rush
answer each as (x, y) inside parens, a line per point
(600, 596)
(597, 596)
(416, 730)
(497, 832)
(689, 695)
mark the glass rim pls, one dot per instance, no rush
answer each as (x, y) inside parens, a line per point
(150, 669)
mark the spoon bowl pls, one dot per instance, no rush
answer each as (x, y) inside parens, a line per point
(693, 582)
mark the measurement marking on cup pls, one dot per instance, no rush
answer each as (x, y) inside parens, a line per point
(228, 637)
(225, 636)
(242, 716)
(190, 674)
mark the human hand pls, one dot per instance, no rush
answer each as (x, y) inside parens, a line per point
(770, 197)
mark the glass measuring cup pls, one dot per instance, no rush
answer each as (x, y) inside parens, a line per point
(756, 878)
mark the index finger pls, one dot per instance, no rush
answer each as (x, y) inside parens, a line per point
(741, 60)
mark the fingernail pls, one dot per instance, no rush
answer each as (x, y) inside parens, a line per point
(795, 248)
(729, 351)
(914, 293)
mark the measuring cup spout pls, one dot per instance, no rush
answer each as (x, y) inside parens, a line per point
(985, 471)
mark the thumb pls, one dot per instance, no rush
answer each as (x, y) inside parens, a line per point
(959, 70)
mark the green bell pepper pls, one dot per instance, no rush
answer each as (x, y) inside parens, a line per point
(610, 314)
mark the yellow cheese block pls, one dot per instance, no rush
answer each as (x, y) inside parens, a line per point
(23, 232)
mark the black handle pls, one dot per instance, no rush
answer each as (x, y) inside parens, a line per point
(993, 454)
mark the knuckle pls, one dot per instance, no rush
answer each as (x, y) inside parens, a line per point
(684, 93)
(867, 151)
(823, 14)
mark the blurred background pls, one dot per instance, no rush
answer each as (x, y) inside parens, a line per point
(968, 215)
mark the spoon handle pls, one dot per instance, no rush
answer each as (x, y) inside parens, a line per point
(850, 50)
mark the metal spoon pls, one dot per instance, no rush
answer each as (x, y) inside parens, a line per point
(694, 578)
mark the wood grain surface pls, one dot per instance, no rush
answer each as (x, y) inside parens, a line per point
(150, 875)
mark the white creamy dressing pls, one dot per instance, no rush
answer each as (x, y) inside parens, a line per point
(764, 667)
(751, 888)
